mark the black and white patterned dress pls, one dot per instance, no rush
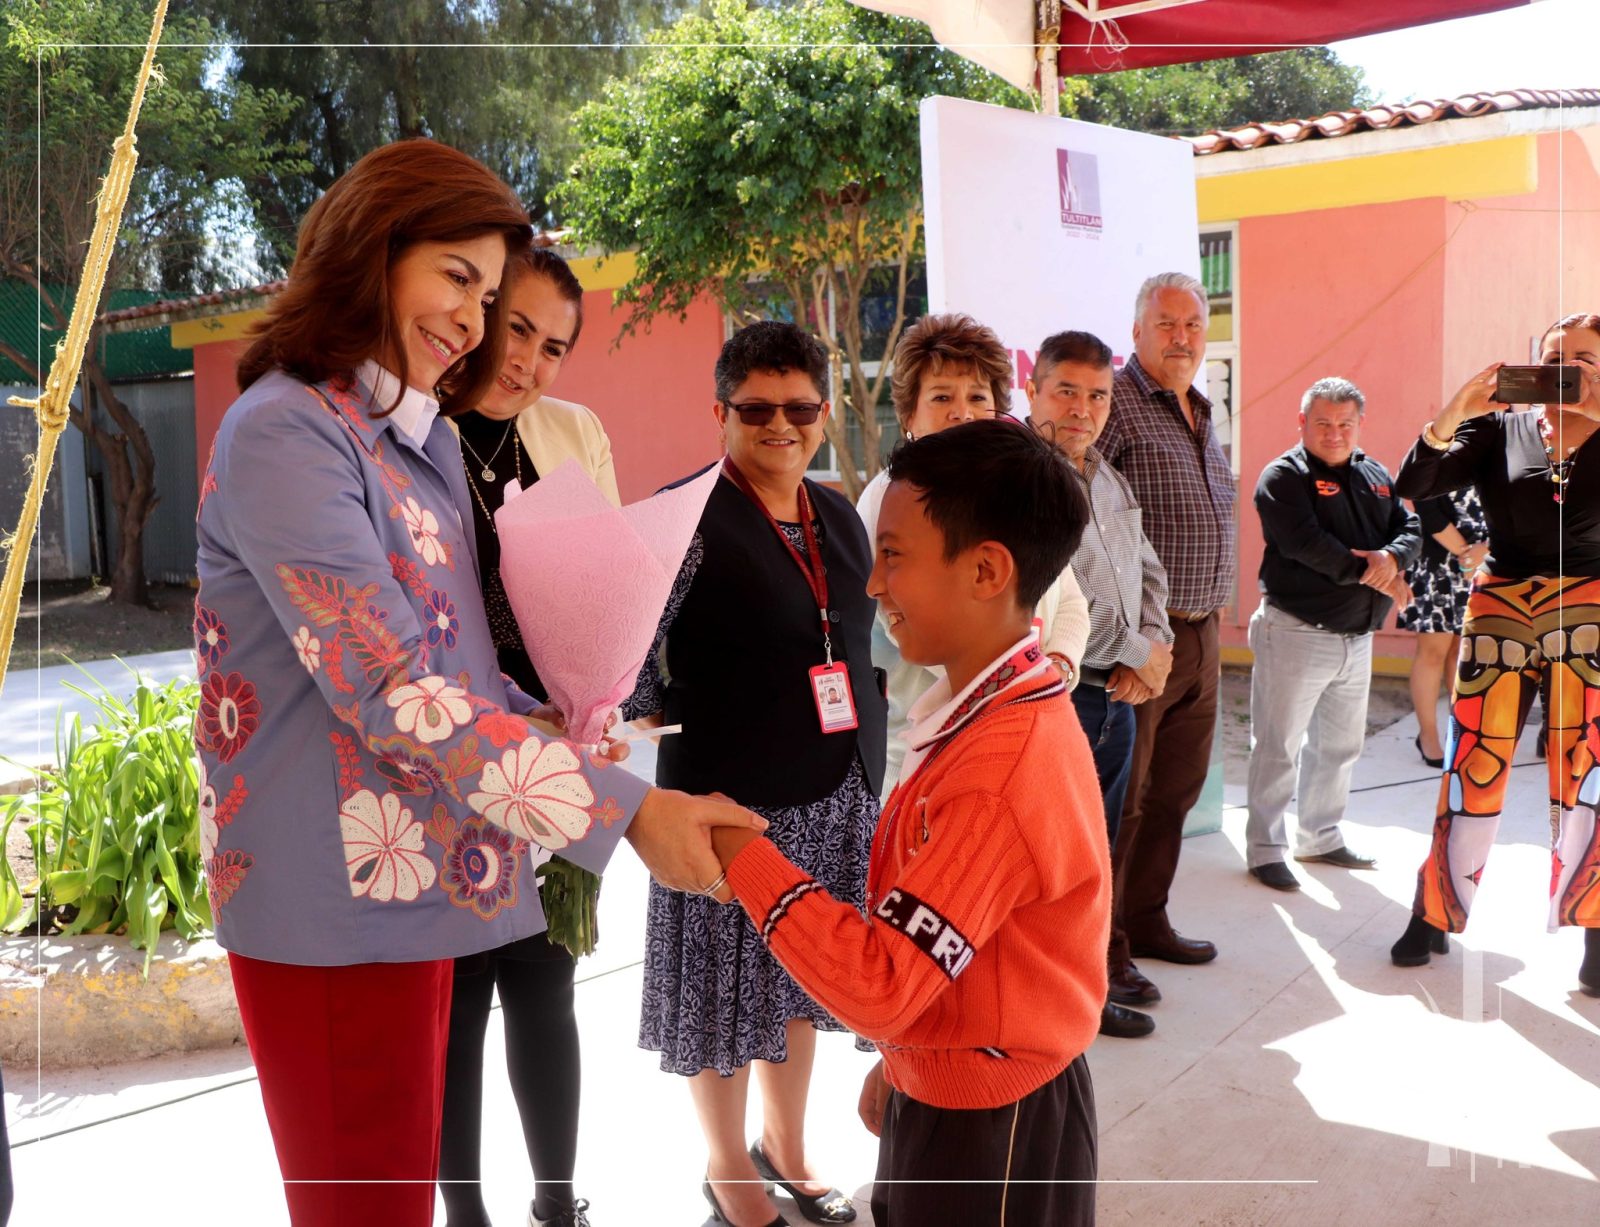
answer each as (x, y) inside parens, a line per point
(713, 997)
(1438, 584)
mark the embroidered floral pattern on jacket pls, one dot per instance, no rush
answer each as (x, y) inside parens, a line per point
(328, 552)
(308, 648)
(423, 526)
(481, 866)
(537, 792)
(429, 709)
(440, 623)
(229, 713)
(385, 848)
(210, 637)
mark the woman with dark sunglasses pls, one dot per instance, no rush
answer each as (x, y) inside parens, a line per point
(764, 656)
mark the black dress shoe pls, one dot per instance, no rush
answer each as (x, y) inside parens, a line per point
(1129, 987)
(1276, 875)
(1432, 762)
(1416, 942)
(1123, 1023)
(830, 1207)
(716, 1209)
(1589, 973)
(1175, 948)
(1342, 857)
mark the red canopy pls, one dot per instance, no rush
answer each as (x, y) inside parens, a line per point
(1146, 33)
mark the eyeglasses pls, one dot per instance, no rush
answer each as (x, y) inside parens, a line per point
(760, 412)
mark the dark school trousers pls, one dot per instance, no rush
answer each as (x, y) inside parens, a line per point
(351, 1064)
(1027, 1164)
(1175, 730)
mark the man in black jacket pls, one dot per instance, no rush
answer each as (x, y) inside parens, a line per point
(1338, 543)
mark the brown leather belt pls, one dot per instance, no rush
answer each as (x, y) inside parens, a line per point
(1184, 615)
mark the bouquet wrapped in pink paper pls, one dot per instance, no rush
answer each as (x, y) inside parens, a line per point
(587, 582)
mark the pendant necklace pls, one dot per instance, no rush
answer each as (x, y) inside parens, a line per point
(516, 457)
(488, 472)
(1560, 470)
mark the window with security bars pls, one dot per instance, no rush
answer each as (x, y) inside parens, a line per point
(1219, 270)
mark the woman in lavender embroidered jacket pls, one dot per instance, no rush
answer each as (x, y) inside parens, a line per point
(371, 795)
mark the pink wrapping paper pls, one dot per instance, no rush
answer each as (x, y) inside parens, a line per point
(588, 581)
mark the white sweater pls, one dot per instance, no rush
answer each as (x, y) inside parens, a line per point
(1063, 610)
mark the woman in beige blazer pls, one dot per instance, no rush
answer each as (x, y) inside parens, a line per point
(518, 433)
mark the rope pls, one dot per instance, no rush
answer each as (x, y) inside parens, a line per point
(53, 406)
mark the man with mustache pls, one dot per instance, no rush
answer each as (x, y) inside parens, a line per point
(1159, 435)
(1129, 650)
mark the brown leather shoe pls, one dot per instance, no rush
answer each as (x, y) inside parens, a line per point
(1129, 987)
(1174, 948)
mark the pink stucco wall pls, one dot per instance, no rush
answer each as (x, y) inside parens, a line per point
(1407, 300)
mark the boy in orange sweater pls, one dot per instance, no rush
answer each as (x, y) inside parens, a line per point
(979, 968)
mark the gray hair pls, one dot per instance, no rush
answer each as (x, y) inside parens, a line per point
(1335, 391)
(1171, 281)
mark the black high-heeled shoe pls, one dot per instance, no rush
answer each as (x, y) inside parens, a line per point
(716, 1208)
(830, 1207)
(1416, 943)
(1589, 972)
(1432, 762)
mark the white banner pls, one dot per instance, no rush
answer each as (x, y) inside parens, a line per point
(1037, 224)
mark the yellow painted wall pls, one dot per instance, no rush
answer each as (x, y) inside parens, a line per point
(1505, 167)
(186, 334)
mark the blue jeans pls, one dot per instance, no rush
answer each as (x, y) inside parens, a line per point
(1109, 726)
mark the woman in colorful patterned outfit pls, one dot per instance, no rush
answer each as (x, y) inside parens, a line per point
(372, 800)
(1454, 544)
(772, 593)
(1533, 626)
(515, 434)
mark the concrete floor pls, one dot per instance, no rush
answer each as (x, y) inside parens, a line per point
(1299, 1079)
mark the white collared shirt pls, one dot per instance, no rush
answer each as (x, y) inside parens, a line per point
(414, 414)
(928, 715)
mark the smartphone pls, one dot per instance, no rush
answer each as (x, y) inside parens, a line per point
(1539, 385)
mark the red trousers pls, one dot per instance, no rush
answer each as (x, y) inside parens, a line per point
(351, 1063)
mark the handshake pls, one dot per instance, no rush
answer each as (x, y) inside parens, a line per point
(672, 834)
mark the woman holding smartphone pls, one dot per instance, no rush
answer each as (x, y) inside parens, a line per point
(1532, 626)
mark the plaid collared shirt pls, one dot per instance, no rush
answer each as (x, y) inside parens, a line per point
(1182, 480)
(1119, 573)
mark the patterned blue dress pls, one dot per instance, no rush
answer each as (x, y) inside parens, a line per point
(713, 997)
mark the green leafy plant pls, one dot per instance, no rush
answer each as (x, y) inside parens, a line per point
(115, 826)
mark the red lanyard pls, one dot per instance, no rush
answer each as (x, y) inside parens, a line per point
(810, 563)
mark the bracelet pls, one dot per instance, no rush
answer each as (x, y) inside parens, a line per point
(710, 892)
(1064, 663)
(1434, 441)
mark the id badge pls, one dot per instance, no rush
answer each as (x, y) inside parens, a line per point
(836, 706)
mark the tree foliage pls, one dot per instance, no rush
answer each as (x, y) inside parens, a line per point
(471, 75)
(66, 77)
(1186, 99)
(769, 158)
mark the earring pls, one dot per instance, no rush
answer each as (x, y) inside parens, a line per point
(910, 438)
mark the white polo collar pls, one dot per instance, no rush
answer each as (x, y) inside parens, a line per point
(413, 415)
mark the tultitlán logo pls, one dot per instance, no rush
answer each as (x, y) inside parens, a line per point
(1078, 178)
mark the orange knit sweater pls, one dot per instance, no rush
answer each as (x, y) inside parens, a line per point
(981, 969)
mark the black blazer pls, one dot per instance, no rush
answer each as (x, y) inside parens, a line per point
(740, 649)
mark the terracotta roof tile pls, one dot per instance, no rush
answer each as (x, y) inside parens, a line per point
(1389, 115)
